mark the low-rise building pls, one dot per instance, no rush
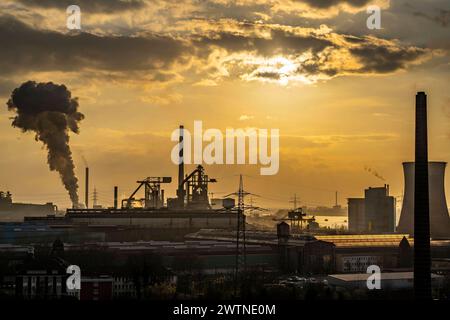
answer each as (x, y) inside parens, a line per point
(388, 281)
(41, 279)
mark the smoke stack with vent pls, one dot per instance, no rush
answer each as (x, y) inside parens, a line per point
(86, 189)
(180, 191)
(116, 193)
(422, 257)
(48, 110)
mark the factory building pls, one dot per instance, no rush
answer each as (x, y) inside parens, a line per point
(98, 288)
(212, 257)
(13, 210)
(356, 214)
(304, 254)
(354, 253)
(389, 281)
(375, 213)
(154, 216)
(41, 279)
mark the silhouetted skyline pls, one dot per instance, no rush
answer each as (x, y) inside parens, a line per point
(140, 71)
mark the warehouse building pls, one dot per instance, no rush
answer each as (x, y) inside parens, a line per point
(388, 281)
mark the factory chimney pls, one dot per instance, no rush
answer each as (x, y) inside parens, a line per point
(180, 191)
(86, 189)
(422, 258)
(116, 192)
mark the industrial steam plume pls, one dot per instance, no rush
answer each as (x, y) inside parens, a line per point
(373, 172)
(48, 110)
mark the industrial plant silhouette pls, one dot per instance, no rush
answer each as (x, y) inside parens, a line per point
(191, 234)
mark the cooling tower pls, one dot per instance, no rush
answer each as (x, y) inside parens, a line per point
(439, 218)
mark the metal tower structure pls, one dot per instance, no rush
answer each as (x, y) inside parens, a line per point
(297, 217)
(195, 189)
(95, 198)
(294, 201)
(252, 208)
(241, 254)
(153, 194)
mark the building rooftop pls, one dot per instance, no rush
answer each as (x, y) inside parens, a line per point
(206, 247)
(252, 237)
(350, 277)
(374, 240)
(366, 240)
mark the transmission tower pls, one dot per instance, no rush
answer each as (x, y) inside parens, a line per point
(241, 252)
(95, 197)
(294, 201)
(241, 258)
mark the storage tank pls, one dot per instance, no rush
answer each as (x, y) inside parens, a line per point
(439, 218)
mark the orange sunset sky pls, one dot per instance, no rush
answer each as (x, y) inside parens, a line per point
(341, 95)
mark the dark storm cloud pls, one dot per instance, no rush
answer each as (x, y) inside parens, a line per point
(442, 18)
(312, 67)
(27, 49)
(353, 39)
(323, 4)
(98, 6)
(268, 75)
(382, 59)
(281, 41)
(416, 22)
(238, 11)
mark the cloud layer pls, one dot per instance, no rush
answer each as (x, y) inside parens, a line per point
(100, 6)
(205, 42)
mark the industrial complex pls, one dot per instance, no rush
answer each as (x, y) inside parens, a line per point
(189, 235)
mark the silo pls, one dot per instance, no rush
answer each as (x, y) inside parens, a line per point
(439, 218)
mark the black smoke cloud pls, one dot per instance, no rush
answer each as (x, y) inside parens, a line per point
(384, 59)
(323, 4)
(48, 110)
(100, 6)
(27, 49)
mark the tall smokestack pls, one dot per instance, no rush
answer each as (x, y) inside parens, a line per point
(116, 192)
(86, 189)
(422, 258)
(180, 191)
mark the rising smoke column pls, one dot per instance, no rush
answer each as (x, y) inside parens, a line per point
(49, 110)
(376, 174)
